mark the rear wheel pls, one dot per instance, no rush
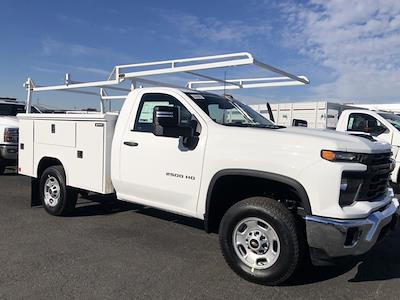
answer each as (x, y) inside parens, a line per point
(259, 240)
(57, 199)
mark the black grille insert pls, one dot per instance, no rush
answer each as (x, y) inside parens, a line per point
(376, 178)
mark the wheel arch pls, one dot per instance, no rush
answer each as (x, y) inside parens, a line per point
(46, 162)
(282, 180)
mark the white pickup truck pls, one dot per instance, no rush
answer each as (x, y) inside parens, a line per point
(382, 126)
(272, 193)
(9, 108)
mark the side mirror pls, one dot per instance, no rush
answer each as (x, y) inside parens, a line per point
(166, 123)
(380, 130)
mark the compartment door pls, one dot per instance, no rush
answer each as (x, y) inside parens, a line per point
(87, 171)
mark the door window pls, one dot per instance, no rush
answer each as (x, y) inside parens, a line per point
(365, 123)
(144, 118)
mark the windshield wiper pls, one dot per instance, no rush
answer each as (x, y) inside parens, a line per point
(267, 126)
(252, 125)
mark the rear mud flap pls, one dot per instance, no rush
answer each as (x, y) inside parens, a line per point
(35, 199)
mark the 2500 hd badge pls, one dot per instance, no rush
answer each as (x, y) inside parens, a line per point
(177, 175)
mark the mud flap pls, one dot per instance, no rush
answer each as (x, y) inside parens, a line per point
(35, 199)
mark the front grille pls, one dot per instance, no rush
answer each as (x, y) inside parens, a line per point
(376, 178)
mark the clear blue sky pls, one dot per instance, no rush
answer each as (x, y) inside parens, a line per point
(349, 54)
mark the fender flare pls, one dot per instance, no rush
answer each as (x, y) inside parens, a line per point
(301, 192)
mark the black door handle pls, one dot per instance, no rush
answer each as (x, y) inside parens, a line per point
(131, 144)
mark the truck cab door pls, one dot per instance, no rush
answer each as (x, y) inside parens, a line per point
(157, 170)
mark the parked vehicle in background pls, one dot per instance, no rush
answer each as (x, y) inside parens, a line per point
(392, 107)
(274, 194)
(9, 108)
(319, 114)
(380, 125)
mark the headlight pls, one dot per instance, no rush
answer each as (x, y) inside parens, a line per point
(342, 156)
(11, 135)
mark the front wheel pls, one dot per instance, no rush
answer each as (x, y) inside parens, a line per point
(259, 240)
(57, 199)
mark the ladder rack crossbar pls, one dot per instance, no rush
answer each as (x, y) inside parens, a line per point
(212, 79)
(173, 62)
(243, 83)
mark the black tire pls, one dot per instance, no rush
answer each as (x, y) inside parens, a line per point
(67, 196)
(284, 224)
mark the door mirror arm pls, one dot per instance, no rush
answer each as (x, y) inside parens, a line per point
(190, 142)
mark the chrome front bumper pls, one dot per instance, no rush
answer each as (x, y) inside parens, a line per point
(331, 238)
(9, 152)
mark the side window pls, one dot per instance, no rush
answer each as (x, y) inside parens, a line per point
(365, 123)
(144, 117)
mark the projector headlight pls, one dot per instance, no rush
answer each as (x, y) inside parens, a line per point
(11, 135)
(341, 156)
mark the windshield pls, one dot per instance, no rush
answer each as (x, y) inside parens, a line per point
(11, 109)
(14, 109)
(230, 112)
(392, 119)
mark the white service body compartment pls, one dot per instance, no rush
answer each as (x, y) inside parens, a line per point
(81, 142)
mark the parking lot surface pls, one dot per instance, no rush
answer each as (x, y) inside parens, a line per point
(110, 249)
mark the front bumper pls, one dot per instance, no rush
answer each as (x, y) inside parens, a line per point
(331, 238)
(9, 152)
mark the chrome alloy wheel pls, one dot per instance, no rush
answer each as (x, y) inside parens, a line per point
(51, 191)
(256, 243)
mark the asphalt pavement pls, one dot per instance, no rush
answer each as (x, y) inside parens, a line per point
(110, 249)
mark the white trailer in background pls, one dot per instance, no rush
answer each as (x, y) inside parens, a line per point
(321, 114)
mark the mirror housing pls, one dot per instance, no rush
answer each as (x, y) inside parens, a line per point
(166, 123)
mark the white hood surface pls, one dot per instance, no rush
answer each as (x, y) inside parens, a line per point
(295, 139)
(9, 121)
(343, 141)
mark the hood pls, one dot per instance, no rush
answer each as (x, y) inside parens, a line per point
(9, 121)
(299, 139)
(339, 141)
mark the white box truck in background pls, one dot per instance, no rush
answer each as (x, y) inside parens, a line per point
(320, 114)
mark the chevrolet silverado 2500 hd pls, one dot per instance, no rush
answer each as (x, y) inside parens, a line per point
(269, 191)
